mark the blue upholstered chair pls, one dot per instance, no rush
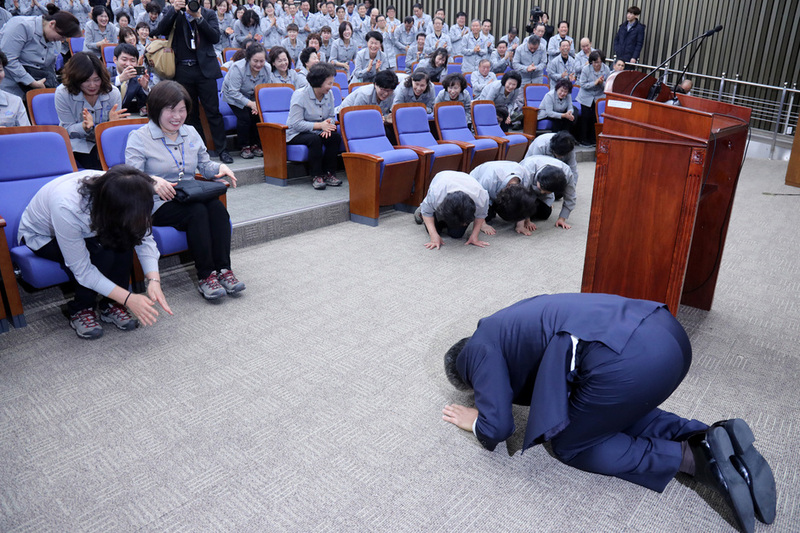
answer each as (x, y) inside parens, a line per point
(412, 129)
(23, 172)
(534, 92)
(227, 53)
(575, 104)
(599, 110)
(484, 120)
(378, 173)
(458, 59)
(341, 79)
(451, 124)
(337, 94)
(42, 107)
(401, 62)
(107, 53)
(454, 68)
(273, 101)
(75, 45)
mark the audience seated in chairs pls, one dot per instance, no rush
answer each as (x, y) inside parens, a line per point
(85, 98)
(167, 147)
(417, 89)
(133, 87)
(455, 90)
(238, 90)
(312, 122)
(308, 58)
(415, 53)
(370, 60)
(97, 244)
(12, 109)
(435, 65)
(481, 78)
(505, 95)
(454, 200)
(343, 49)
(557, 107)
(281, 73)
(380, 93)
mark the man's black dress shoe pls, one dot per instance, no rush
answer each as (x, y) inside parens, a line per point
(752, 466)
(225, 157)
(712, 452)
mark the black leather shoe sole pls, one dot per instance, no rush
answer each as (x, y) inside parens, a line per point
(727, 479)
(753, 468)
(226, 158)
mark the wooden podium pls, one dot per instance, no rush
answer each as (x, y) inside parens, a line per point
(664, 185)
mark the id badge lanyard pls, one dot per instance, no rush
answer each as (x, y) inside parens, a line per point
(180, 166)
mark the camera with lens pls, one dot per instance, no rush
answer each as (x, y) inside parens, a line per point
(193, 6)
(536, 17)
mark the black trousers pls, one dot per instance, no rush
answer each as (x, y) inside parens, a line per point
(541, 211)
(586, 124)
(246, 129)
(318, 162)
(88, 161)
(208, 232)
(560, 124)
(204, 89)
(114, 265)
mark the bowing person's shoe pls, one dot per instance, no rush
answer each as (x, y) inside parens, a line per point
(753, 468)
(225, 157)
(712, 451)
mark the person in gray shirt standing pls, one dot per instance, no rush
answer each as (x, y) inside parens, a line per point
(530, 60)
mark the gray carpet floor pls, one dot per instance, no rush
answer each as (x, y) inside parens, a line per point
(312, 402)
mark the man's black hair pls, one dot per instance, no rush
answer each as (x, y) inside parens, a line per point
(514, 203)
(457, 210)
(374, 35)
(386, 79)
(562, 143)
(126, 48)
(552, 179)
(450, 369)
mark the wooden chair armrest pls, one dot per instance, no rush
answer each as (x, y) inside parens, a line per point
(2, 222)
(499, 140)
(463, 144)
(362, 157)
(420, 150)
(272, 126)
(527, 135)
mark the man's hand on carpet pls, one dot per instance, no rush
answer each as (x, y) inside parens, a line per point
(460, 415)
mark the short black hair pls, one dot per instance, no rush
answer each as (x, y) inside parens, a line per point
(97, 11)
(455, 77)
(66, 23)
(634, 10)
(450, 367)
(3, 59)
(250, 18)
(595, 55)
(386, 79)
(319, 73)
(153, 8)
(461, 14)
(289, 27)
(125, 48)
(564, 83)
(343, 26)
(562, 143)
(373, 35)
(418, 75)
(552, 179)
(120, 206)
(514, 203)
(511, 75)
(305, 55)
(275, 52)
(166, 93)
(121, 14)
(534, 39)
(408, 20)
(457, 210)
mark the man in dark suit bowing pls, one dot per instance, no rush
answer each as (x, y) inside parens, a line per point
(133, 87)
(593, 368)
(196, 65)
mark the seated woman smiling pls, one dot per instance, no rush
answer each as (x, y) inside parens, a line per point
(167, 147)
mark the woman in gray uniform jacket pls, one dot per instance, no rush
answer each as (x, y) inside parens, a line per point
(99, 31)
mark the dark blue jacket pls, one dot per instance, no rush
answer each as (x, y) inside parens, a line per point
(519, 355)
(628, 43)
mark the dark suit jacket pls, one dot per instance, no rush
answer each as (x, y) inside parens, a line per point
(628, 43)
(519, 355)
(135, 98)
(206, 37)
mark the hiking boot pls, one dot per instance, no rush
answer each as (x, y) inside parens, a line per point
(229, 282)
(332, 180)
(119, 316)
(210, 287)
(85, 324)
(246, 153)
(318, 183)
(257, 151)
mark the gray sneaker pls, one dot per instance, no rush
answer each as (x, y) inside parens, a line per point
(418, 215)
(85, 324)
(119, 316)
(210, 287)
(229, 282)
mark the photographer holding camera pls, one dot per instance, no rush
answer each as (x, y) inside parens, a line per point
(196, 66)
(536, 17)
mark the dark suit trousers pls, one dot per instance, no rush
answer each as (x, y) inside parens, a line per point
(204, 89)
(615, 427)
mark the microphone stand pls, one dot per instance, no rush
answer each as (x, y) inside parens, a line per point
(656, 89)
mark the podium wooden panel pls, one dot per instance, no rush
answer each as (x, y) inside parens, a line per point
(664, 185)
(793, 171)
